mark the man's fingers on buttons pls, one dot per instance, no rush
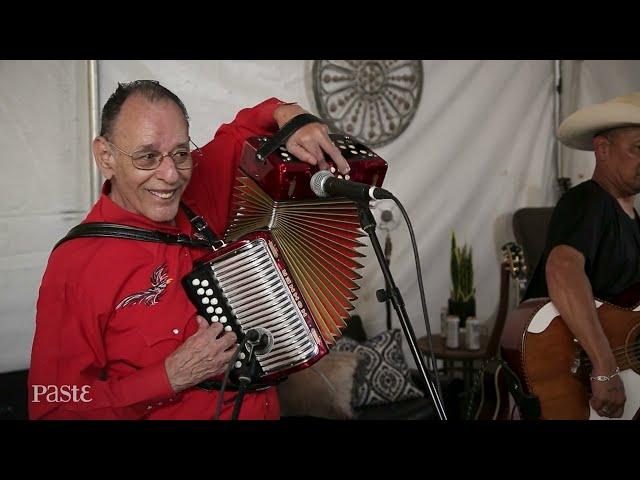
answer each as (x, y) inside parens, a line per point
(336, 156)
(302, 154)
(216, 328)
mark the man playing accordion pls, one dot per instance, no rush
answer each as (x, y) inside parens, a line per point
(113, 321)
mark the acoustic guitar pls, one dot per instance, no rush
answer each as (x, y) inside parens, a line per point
(488, 399)
(552, 366)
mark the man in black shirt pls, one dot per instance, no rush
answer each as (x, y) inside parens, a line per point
(593, 245)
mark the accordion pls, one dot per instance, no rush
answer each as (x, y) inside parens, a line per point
(288, 266)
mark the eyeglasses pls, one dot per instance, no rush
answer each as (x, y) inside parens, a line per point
(151, 159)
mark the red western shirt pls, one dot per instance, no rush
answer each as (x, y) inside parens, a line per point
(111, 310)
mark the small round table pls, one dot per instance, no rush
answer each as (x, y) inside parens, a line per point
(450, 356)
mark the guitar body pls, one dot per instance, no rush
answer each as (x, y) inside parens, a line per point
(493, 401)
(551, 365)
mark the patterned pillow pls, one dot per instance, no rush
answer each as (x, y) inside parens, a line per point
(382, 375)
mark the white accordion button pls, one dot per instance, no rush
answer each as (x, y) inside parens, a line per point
(354, 152)
(241, 356)
(209, 309)
(200, 291)
(205, 300)
(195, 282)
(347, 177)
(227, 328)
(205, 283)
(238, 364)
(332, 169)
(214, 301)
(223, 319)
(209, 292)
(218, 310)
(214, 318)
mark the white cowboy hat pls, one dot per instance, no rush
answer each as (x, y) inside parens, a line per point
(578, 129)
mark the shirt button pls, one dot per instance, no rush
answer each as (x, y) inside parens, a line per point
(159, 404)
(149, 407)
(176, 331)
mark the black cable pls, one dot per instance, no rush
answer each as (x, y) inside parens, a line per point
(239, 398)
(425, 314)
(232, 362)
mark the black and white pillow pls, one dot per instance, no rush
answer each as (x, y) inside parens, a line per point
(382, 375)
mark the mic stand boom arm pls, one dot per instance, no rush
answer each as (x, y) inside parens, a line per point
(368, 224)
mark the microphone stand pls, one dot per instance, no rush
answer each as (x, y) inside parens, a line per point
(368, 224)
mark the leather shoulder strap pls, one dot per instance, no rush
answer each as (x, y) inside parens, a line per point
(116, 230)
(284, 133)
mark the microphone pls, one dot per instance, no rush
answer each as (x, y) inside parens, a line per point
(324, 184)
(261, 339)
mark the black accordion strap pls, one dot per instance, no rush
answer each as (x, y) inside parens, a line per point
(284, 133)
(201, 227)
(116, 230)
(210, 385)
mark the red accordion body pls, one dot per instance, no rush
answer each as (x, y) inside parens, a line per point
(289, 265)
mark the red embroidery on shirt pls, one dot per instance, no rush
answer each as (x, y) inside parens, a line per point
(159, 281)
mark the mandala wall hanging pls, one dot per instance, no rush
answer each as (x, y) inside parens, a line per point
(371, 100)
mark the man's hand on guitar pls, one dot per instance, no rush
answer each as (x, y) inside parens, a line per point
(311, 142)
(608, 397)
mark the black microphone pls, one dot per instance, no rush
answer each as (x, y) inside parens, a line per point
(324, 184)
(261, 339)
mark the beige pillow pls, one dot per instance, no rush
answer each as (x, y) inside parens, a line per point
(323, 390)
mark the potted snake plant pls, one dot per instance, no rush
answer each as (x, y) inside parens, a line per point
(462, 300)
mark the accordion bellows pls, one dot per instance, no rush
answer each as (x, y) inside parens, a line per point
(318, 239)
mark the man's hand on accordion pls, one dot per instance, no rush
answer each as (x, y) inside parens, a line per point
(311, 142)
(203, 355)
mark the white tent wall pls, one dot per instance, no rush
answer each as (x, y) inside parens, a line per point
(44, 186)
(479, 147)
